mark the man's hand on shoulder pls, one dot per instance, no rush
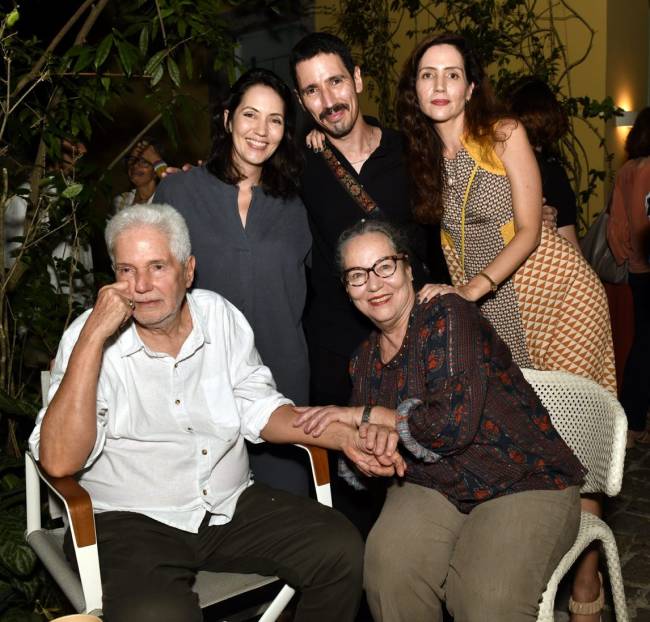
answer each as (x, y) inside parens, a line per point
(113, 308)
(172, 170)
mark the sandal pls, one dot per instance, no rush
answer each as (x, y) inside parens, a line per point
(587, 609)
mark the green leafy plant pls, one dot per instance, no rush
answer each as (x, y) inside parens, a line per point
(56, 88)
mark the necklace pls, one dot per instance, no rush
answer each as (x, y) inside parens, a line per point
(452, 170)
(370, 147)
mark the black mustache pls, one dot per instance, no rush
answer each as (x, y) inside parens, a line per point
(332, 109)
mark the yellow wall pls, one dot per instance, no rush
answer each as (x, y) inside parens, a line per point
(627, 65)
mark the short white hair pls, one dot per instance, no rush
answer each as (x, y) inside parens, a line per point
(161, 216)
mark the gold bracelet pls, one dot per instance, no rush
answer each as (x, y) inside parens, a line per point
(493, 285)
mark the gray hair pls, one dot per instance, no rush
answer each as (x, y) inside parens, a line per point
(161, 216)
(394, 235)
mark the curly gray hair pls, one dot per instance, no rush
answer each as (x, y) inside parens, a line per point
(161, 216)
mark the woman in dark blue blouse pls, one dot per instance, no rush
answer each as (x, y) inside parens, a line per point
(251, 237)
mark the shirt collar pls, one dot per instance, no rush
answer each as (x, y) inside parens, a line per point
(129, 342)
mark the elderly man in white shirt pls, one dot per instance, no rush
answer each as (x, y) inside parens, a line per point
(153, 392)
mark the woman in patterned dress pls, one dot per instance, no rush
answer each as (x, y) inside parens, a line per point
(474, 171)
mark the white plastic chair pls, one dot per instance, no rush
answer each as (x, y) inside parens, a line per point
(70, 501)
(592, 422)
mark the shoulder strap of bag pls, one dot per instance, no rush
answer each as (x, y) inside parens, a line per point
(350, 184)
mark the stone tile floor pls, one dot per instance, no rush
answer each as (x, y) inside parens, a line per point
(629, 517)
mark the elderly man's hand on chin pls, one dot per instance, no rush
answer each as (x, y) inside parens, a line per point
(373, 449)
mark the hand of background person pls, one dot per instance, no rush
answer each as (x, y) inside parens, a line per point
(549, 216)
(315, 140)
(171, 170)
(146, 150)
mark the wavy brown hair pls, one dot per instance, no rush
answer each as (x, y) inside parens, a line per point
(423, 145)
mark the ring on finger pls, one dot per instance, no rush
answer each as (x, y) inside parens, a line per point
(131, 304)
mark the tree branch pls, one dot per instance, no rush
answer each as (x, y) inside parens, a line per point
(130, 146)
(36, 69)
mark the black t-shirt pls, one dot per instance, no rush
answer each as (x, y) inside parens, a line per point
(331, 321)
(557, 190)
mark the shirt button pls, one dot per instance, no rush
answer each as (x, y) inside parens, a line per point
(204, 452)
(177, 402)
(190, 428)
(205, 492)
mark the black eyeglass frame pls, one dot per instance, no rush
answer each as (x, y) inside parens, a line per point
(129, 160)
(395, 258)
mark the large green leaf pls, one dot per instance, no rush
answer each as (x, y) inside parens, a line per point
(154, 62)
(15, 407)
(84, 59)
(125, 57)
(143, 42)
(72, 191)
(157, 75)
(174, 72)
(20, 614)
(15, 554)
(6, 592)
(103, 51)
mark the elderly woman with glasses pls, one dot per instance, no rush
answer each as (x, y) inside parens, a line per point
(490, 500)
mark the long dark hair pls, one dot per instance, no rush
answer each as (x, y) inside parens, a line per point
(423, 146)
(534, 104)
(637, 143)
(281, 171)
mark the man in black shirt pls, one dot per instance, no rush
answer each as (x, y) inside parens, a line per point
(364, 155)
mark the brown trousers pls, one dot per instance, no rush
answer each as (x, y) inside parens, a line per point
(490, 565)
(148, 568)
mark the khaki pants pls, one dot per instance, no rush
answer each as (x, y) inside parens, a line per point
(490, 565)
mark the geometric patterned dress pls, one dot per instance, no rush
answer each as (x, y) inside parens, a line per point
(552, 312)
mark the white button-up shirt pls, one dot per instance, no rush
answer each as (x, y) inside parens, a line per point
(170, 431)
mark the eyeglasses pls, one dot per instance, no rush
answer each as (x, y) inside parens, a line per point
(383, 268)
(130, 161)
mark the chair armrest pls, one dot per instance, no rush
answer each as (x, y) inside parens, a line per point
(319, 462)
(78, 504)
(320, 472)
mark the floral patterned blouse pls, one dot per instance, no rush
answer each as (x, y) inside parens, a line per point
(472, 426)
